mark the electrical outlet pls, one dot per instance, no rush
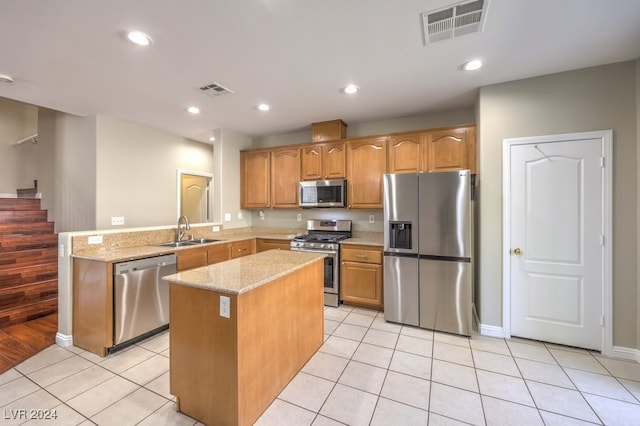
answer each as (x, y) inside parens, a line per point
(227, 217)
(372, 219)
(225, 307)
(117, 220)
(95, 239)
(261, 215)
(239, 215)
(61, 250)
(216, 228)
(299, 217)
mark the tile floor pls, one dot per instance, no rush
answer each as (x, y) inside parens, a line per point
(368, 372)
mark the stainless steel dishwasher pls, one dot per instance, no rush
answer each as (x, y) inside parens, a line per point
(140, 299)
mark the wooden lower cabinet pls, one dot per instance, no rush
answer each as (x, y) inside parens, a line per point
(264, 244)
(361, 276)
(242, 248)
(93, 305)
(218, 253)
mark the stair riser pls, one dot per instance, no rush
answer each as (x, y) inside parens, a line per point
(19, 204)
(20, 259)
(23, 295)
(16, 216)
(28, 275)
(27, 242)
(29, 312)
(35, 228)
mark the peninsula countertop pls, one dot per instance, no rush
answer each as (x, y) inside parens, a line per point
(237, 276)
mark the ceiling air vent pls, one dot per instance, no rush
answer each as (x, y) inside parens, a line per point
(214, 90)
(454, 21)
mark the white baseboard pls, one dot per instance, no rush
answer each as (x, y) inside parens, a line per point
(8, 195)
(626, 353)
(490, 330)
(64, 340)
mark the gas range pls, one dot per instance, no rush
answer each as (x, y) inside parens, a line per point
(323, 235)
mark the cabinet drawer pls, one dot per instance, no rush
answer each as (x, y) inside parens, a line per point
(361, 254)
(243, 248)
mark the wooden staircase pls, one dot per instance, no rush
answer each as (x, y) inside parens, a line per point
(28, 262)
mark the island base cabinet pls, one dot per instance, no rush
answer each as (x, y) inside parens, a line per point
(227, 371)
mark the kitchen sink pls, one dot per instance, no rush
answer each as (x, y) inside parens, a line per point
(187, 243)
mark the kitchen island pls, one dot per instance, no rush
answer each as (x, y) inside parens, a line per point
(241, 330)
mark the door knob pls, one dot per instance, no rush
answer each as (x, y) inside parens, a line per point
(517, 251)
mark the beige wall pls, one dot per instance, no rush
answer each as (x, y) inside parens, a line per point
(17, 121)
(590, 99)
(136, 172)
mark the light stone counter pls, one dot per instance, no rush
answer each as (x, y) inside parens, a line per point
(366, 238)
(246, 273)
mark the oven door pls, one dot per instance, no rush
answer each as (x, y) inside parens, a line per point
(331, 275)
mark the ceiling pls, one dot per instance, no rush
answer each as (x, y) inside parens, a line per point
(70, 55)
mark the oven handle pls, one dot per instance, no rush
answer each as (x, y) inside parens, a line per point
(330, 252)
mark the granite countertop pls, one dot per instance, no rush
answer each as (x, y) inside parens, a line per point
(245, 273)
(139, 252)
(366, 238)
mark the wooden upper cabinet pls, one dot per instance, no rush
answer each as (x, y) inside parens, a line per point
(255, 179)
(366, 164)
(405, 152)
(451, 149)
(323, 161)
(285, 175)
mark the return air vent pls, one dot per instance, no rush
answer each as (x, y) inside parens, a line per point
(454, 21)
(214, 90)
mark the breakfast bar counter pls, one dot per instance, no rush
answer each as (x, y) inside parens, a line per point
(241, 330)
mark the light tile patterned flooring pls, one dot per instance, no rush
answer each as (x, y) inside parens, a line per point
(368, 372)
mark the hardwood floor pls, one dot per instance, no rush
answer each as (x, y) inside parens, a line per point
(20, 341)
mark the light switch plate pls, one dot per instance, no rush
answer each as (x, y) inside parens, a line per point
(239, 215)
(372, 219)
(227, 217)
(261, 215)
(225, 307)
(216, 228)
(299, 217)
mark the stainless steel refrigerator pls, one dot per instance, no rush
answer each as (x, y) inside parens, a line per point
(428, 243)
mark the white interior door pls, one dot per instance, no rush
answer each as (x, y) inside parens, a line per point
(195, 198)
(557, 229)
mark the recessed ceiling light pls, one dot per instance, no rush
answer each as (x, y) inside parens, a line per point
(264, 107)
(350, 89)
(193, 110)
(212, 138)
(472, 65)
(6, 78)
(139, 38)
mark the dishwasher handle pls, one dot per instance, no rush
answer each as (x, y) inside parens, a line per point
(141, 264)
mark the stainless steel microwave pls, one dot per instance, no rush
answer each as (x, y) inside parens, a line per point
(323, 193)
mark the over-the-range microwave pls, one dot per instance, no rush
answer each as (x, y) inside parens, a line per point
(323, 193)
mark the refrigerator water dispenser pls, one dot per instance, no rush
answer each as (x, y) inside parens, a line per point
(400, 235)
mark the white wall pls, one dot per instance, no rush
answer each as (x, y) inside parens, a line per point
(136, 172)
(66, 164)
(590, 99)
(17, 121)
(226, 153)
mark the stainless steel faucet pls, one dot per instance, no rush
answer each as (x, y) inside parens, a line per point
(181, 230)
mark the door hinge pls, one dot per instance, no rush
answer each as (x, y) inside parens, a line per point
(602, 321)
(601, 161)
(601, 240)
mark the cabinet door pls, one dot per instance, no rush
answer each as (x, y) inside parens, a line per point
(450, 150)
(405, 153)
(218, 253)
(243, 248)
(361, 284)
(191, 258)
(366, 163)
(285, 175)
(334, 161)
(263, 244)
(311, 162)
(255, 179)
